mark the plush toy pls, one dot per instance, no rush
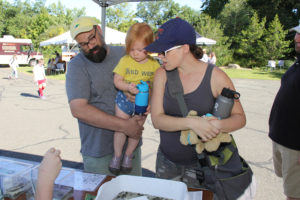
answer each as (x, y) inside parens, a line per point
(190, 137)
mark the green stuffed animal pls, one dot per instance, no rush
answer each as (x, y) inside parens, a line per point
(190, 137)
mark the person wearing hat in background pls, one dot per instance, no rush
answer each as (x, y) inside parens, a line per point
(91, 94)
(284, 127)
(202, 83)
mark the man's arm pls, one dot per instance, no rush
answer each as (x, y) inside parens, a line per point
(91, 115)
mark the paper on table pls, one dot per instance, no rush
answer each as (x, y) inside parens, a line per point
(84, 181)
(196, 195)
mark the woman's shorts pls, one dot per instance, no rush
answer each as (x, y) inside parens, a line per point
(167, 169)
(124, 104)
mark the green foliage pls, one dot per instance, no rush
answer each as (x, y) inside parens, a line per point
(211, 28)
(120, 17)
(275, 45)
(35, 21)
(235, 16)
(250, 49)
(157, 13)
(288, 11)
(213, 7)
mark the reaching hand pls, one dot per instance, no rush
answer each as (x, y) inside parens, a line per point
(50, 165)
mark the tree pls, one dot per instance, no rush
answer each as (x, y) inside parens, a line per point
(250, 51)
(211, 28)
(235, 17)
(213, 7)
(120, 17)
(288, 11)
(275, 45)
(157, 13)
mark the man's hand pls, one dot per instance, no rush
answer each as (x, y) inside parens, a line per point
(135, 127)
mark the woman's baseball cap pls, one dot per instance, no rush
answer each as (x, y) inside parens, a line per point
(172, 33)
(81, 25)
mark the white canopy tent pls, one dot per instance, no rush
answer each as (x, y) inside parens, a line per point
(203, 41)
(113, 37)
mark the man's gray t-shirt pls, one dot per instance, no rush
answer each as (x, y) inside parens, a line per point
(94, 82)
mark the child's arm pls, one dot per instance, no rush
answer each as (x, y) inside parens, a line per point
(48, 171)
(122, 85)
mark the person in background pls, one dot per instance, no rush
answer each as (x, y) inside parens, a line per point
(48, 171)
(284, 127)
(204, 56)
(135, 66)
(202, 84)
(212, 58)
(57, 58)
(13, 63)
(40, 77)
(51, 66)
(91, 94)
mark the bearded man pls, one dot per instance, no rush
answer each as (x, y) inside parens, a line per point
(91, 93)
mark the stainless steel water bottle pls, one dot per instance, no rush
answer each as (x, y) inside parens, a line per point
(224, 103)
(141, 99)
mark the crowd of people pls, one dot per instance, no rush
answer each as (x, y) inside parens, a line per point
(101, 88)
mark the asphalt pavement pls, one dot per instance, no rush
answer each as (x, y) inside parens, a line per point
(33, 125)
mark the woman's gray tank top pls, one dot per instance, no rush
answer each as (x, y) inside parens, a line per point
(200, 100)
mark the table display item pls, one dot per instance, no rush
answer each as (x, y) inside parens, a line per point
(144, 186)
(15, 178)
(62, 192)
(133, 195)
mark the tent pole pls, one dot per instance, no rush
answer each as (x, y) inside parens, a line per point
(103, 16)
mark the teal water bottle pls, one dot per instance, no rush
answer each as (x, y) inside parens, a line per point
(141, 99)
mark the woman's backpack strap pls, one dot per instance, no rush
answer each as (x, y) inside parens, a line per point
(176, 90)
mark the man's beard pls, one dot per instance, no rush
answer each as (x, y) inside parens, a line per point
(96, 57)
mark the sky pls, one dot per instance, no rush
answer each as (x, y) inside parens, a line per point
(92, 9)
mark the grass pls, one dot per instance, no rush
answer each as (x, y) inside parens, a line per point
(257, 73)
(28, 70)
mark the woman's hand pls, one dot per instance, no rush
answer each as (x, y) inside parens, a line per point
(203, 128)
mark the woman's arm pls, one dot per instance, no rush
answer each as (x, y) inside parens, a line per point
(237, 118)
(169, 123)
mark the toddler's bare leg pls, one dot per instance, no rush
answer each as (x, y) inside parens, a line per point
(119, 138)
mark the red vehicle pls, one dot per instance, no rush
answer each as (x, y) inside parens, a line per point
(23, 48)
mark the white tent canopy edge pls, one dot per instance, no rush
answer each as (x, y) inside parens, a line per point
(113, 37)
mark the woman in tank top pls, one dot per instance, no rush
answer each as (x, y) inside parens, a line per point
(202, 83)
